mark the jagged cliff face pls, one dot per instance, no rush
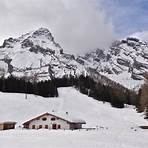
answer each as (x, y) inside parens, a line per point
(36, 54)
(125, 62)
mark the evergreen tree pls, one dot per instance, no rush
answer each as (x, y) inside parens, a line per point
(143, 97)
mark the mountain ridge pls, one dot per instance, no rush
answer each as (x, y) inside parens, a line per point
(125, 59)
(37, 54)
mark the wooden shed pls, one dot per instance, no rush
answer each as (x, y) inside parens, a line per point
(7, 125)
(144, 127)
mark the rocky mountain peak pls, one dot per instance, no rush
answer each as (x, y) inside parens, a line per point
(42, 32)
(37, 53)
(41, 41)
(30, 39)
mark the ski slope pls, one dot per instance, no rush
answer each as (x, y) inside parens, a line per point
(115, 127)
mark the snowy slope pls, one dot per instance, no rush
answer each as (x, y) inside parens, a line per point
(16, 107)
(114, 125)
(74, 139)
(125, 79)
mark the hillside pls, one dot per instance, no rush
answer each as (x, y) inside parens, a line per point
(69, 100)
(116, 127)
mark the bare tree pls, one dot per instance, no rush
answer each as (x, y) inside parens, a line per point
(2, 75)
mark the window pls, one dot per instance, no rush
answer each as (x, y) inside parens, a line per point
(11, 125)
(40, 126)
(44, 119)
(33, 126)
(52, 119)
(46, 126)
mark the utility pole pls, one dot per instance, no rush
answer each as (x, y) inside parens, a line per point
(26, 97)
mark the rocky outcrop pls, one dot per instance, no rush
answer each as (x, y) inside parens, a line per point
(128, 56)
(123, 62)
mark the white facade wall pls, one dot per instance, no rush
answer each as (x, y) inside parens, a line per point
(37, 122)
(1, 126)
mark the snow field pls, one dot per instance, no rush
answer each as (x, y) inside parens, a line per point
(117, 128)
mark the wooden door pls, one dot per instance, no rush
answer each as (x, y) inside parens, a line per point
(54, 126)
(59, 126)
(33, 126)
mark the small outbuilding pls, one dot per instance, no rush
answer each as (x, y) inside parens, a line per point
(54, 121)
(7, 125)
(144, 127)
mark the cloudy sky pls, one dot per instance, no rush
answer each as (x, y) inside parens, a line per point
(127, 16)
(78, 25)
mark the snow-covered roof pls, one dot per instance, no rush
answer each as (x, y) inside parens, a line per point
(61, 116)
(8, 122)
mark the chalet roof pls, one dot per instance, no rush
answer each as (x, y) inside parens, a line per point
(8, 122)
(64, 117)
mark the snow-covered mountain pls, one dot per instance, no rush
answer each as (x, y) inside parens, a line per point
(125, 61)
(36, 54)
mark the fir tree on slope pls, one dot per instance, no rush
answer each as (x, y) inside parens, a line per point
(143, 103)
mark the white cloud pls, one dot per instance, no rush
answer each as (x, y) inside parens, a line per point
(78, 25)
(142, 35)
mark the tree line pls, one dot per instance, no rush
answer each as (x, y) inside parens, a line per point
(143, 97)
(20, 85)
(111, 92)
